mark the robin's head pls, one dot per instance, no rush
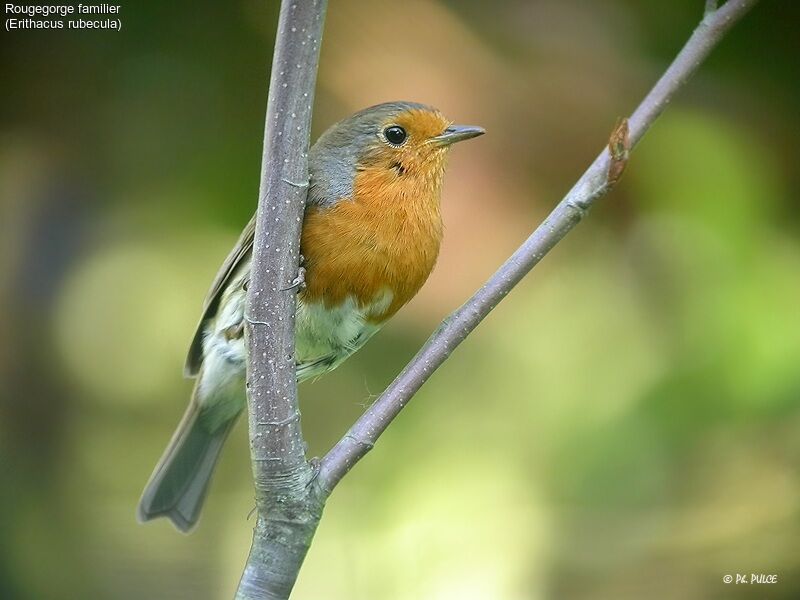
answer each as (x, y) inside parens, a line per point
(394, 140)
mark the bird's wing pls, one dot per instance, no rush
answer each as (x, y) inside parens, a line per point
(240, 252)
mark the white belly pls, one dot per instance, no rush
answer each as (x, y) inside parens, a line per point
(324, 338)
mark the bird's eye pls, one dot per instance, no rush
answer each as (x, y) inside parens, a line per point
(395, 135)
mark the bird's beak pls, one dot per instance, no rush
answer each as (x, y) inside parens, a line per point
(457, 133)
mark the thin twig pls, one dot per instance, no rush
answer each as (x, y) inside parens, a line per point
(594, 184)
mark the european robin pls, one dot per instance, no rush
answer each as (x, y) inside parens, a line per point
(370, 238)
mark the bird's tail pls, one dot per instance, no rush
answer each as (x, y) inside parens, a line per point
(178, 485)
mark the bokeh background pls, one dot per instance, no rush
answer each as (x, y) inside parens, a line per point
(625, 425)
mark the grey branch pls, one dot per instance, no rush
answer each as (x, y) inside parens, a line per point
(291, 491)
(598, 179)
(287, 512)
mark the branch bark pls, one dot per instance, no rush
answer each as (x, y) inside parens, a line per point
(290, 491)
(288, 508)
(598, 179)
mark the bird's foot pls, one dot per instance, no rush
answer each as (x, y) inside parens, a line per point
(299, 282)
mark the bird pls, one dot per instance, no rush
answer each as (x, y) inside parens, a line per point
(371, 234)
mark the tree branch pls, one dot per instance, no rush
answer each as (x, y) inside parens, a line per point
(288, 511)
(290, 495)
(598, 179)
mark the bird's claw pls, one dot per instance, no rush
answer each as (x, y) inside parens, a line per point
(299, 282)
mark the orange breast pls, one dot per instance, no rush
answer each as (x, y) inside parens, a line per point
(386, 237)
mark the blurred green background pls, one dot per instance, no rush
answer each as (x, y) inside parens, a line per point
(624, 426)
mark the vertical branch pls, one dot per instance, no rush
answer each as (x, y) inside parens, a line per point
(287, 513)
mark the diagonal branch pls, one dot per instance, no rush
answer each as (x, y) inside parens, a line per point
(598, 179)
